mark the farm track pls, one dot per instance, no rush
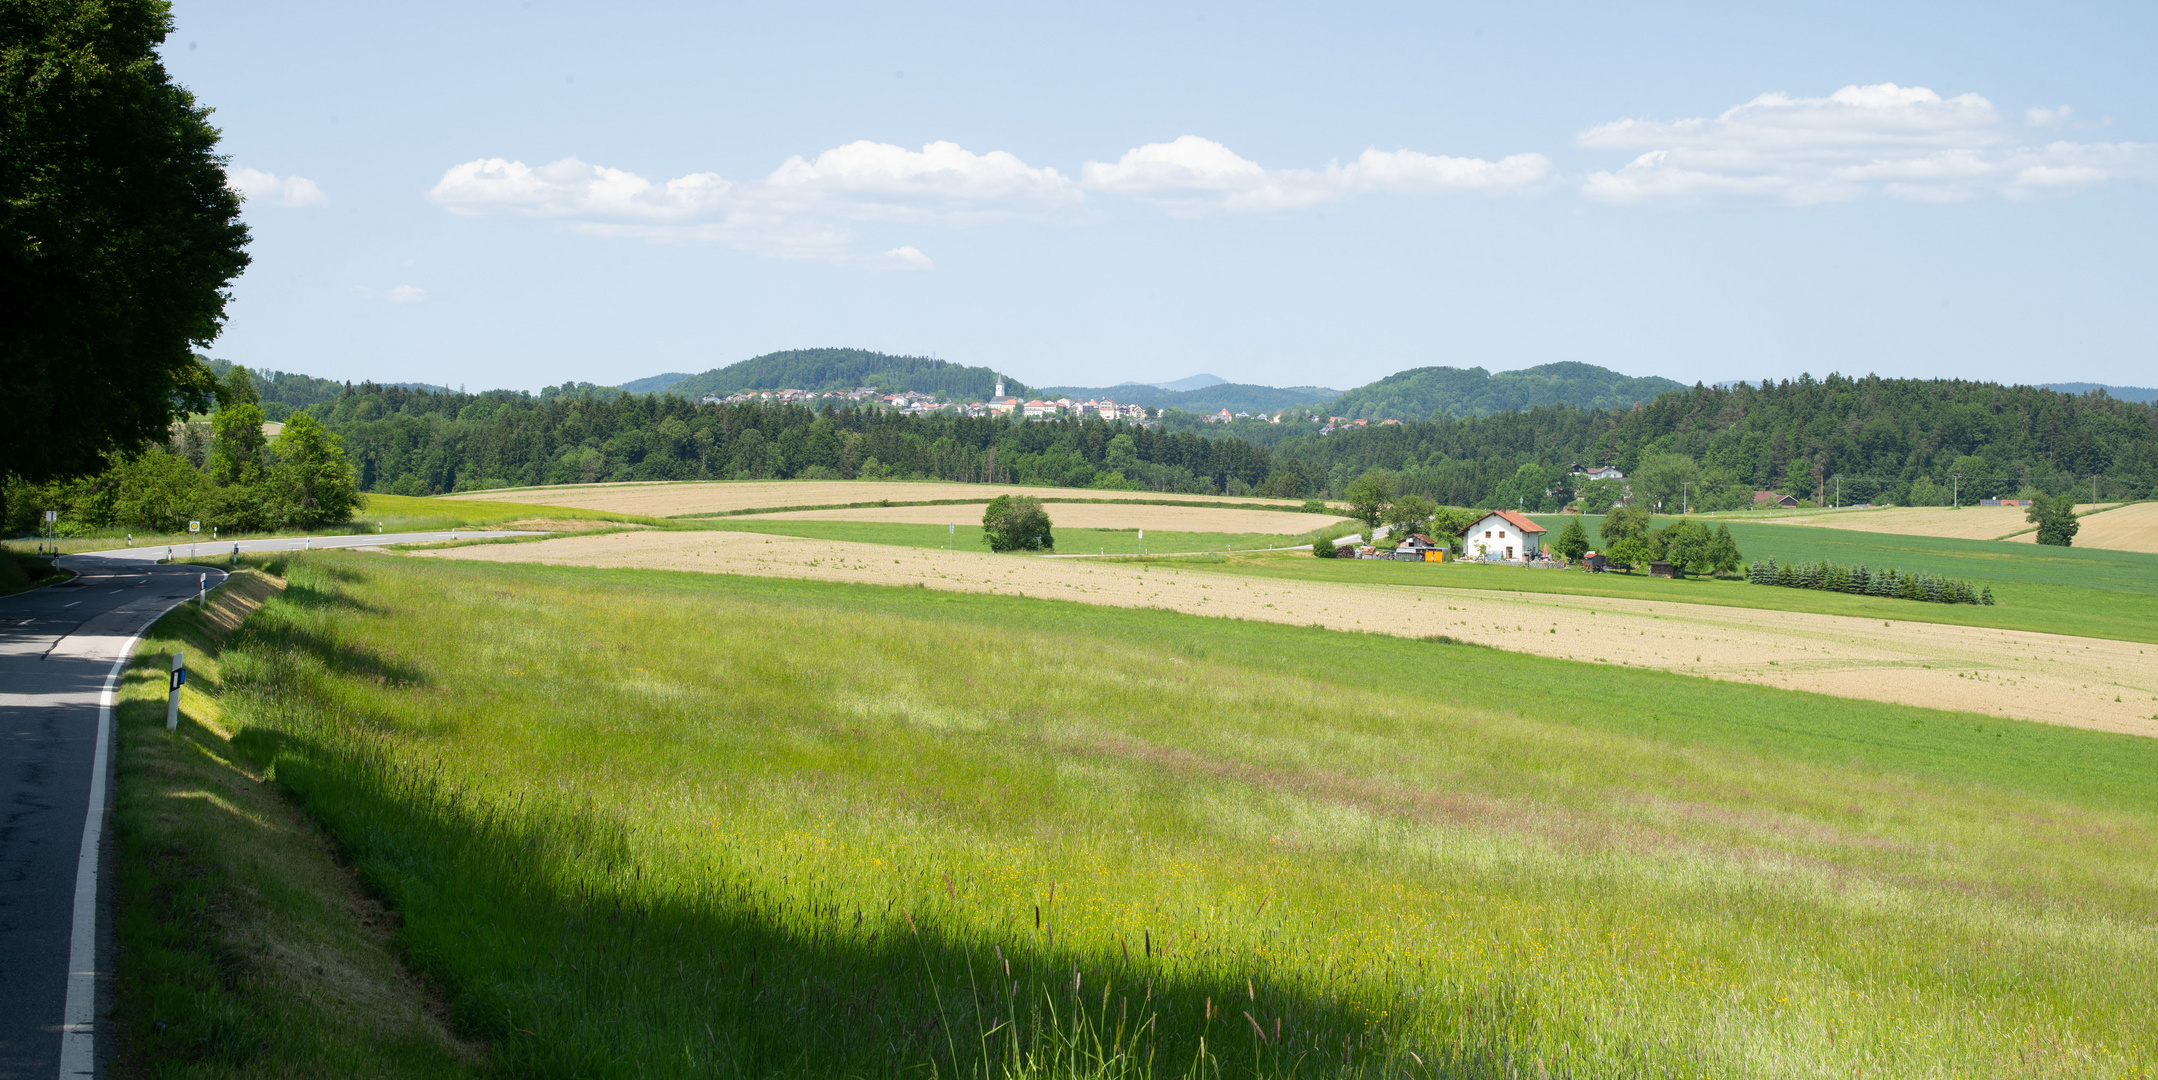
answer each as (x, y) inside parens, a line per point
(2051, 678)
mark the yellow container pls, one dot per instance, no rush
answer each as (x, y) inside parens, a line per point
(1434, 555)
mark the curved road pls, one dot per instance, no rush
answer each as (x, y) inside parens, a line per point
(62, 649)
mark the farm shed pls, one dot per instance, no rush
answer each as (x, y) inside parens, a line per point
(1503, 534)
(1770, 498)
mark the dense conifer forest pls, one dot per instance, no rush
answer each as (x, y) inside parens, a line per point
(1841, 440)
(1905, 441)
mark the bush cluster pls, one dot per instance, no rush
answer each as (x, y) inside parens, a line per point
(1829, 577)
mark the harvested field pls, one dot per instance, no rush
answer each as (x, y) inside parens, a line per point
(1968, 523)
(2080, 682)
(716, 497)
(1084, 516)
(2133, 527)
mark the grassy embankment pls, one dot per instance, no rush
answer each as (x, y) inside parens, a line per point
(19, 572)
(245, 947)
(2088, 593)
(674, 824)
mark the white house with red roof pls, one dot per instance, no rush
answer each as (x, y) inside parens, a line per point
(1502, 534)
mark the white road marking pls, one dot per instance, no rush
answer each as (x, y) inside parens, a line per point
(78, 1018)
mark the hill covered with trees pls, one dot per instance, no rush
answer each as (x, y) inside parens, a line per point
(1430, 392)
(838, 369)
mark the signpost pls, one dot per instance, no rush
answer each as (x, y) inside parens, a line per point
(50, 517)
(194, 528)
(172, 693)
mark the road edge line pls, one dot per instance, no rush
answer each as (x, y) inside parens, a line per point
(78, 1017)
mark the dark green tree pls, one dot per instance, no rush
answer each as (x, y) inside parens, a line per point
(1410, 514)
(1626, 522)
(1723, 554)
(1573, 540)
(1688, 546)
(2055, 516)
(1017, 523)
(310, 485)
(118, 236)
(1369, 495)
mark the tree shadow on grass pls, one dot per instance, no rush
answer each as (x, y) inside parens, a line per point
(554, 947)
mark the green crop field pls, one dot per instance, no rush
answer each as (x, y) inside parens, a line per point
(651, 824)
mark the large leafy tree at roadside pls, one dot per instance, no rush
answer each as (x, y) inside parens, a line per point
(118, 236)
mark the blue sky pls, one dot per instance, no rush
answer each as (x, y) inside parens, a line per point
(524, 193)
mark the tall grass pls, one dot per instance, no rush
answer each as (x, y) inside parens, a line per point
(654, 824)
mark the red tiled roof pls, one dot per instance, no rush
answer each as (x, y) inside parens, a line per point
(1515, 520)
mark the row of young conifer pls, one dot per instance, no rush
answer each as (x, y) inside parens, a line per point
(1830, 577)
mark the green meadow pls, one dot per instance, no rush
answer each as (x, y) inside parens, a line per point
(654, 824)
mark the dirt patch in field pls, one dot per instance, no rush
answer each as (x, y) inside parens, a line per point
(2081, 682)
(673, 499)
(2133, 527)
(1213, 519)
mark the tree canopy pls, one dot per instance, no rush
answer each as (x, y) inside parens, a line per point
(118, 236)
(1017, 523)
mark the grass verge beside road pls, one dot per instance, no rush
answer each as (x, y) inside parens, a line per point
(641, 823)
(244, 947)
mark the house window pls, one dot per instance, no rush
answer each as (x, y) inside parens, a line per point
(1487, 534)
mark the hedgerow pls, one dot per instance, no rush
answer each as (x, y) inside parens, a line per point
(1829, 577)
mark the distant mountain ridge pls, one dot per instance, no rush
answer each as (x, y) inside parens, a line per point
(2143, 395)
(835, 369)
(1235, 397)
(1428, 392)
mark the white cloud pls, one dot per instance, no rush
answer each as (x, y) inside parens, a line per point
(288, 191)
(806, 208)
(1192, 175)
(943, 183)
(1904, 142)
(794, 213)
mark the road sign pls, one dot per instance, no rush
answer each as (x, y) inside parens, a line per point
(52, 515)
(194, 526)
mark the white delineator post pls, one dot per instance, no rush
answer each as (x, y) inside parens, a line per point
(202, 591)
(172, 695)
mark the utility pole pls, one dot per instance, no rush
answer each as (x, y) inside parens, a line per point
(1685, 502)
(1957, 487)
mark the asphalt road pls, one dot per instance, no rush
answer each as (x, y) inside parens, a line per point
(61, 647)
